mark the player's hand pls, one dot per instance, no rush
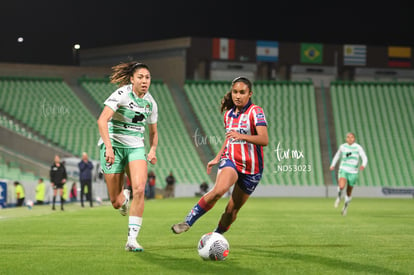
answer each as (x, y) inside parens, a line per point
(210, 165)
(331, 168)
(361, 168)
(109, 156)
(152, 158)
(234, 135)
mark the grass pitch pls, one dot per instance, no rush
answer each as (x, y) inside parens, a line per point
(270, 236)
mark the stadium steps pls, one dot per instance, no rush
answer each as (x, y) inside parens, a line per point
(380, 114)
(15, 166)
(49, 107)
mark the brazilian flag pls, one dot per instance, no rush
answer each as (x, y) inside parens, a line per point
(311, 53)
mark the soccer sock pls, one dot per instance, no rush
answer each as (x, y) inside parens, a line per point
(54, 200)
(339, 192)
(221, 229)
(134, 225)
(197, 211)
(347, 200)
(61, 202)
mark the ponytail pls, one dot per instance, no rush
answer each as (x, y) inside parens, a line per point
(122, 73)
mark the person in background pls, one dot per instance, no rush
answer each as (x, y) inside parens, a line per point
(151, 185)
(58, 179)
(350, 152)
(128, 111)
(170, 187)
(73, 196)
(40, 191)
(19, 193)
(240, 158)
(85, 178)
(203, 189)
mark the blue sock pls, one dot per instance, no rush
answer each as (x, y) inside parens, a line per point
(197, 211)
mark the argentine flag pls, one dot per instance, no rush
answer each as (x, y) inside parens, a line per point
(267, 51)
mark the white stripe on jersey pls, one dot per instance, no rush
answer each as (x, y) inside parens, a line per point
(251, 146)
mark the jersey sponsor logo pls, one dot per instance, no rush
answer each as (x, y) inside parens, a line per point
(260, 118)
(260, 115)
(138, 117)
(232, 141)
(132, 127)
(113, 99)
(135, 107)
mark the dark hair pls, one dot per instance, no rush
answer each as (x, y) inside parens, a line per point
(121, 73)
(227, 102)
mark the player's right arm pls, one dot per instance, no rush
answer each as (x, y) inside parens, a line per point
(103, 120)
(335, 159)
(216, 160)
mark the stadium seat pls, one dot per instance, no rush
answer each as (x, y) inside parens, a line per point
(380, 114)
(292, 122)
(176, 152)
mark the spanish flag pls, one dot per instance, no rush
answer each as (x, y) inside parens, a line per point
(399, 57)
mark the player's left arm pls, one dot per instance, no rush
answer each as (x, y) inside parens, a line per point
(153, 139)
(258, 119)
(363, 157)
(261, 138)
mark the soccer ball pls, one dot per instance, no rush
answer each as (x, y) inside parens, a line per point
(29, 204)
(98, 200)
(213, 246)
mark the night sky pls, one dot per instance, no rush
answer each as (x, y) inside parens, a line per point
(50, 28)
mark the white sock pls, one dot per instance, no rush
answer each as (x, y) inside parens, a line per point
(339, 192)
(134, 226)
(347, 199)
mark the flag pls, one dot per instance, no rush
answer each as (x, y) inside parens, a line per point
(355, 55)
(311, 53)
(223, 48)
(267, 51)
(399, 57)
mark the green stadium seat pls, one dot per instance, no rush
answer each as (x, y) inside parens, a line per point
(380, 114)
(289, 108)
(176, 148)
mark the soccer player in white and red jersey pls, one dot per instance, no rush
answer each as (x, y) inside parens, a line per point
(240, 158)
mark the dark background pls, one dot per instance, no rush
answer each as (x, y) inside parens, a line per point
(51, 28)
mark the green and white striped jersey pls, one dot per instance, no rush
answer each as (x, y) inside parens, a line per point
(350, 155)
(127, 126)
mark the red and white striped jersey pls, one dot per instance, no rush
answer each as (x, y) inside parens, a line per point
(247, 157)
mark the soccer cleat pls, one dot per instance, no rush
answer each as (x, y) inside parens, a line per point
(337, 201)
(124, 208)
(133, 246)
(180, 227)
(344, 210)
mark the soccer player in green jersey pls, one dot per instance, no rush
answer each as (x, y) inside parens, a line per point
(349, 152)
(122, 126)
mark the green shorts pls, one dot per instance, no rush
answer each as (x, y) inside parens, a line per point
(122, 157)
(351, 179)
